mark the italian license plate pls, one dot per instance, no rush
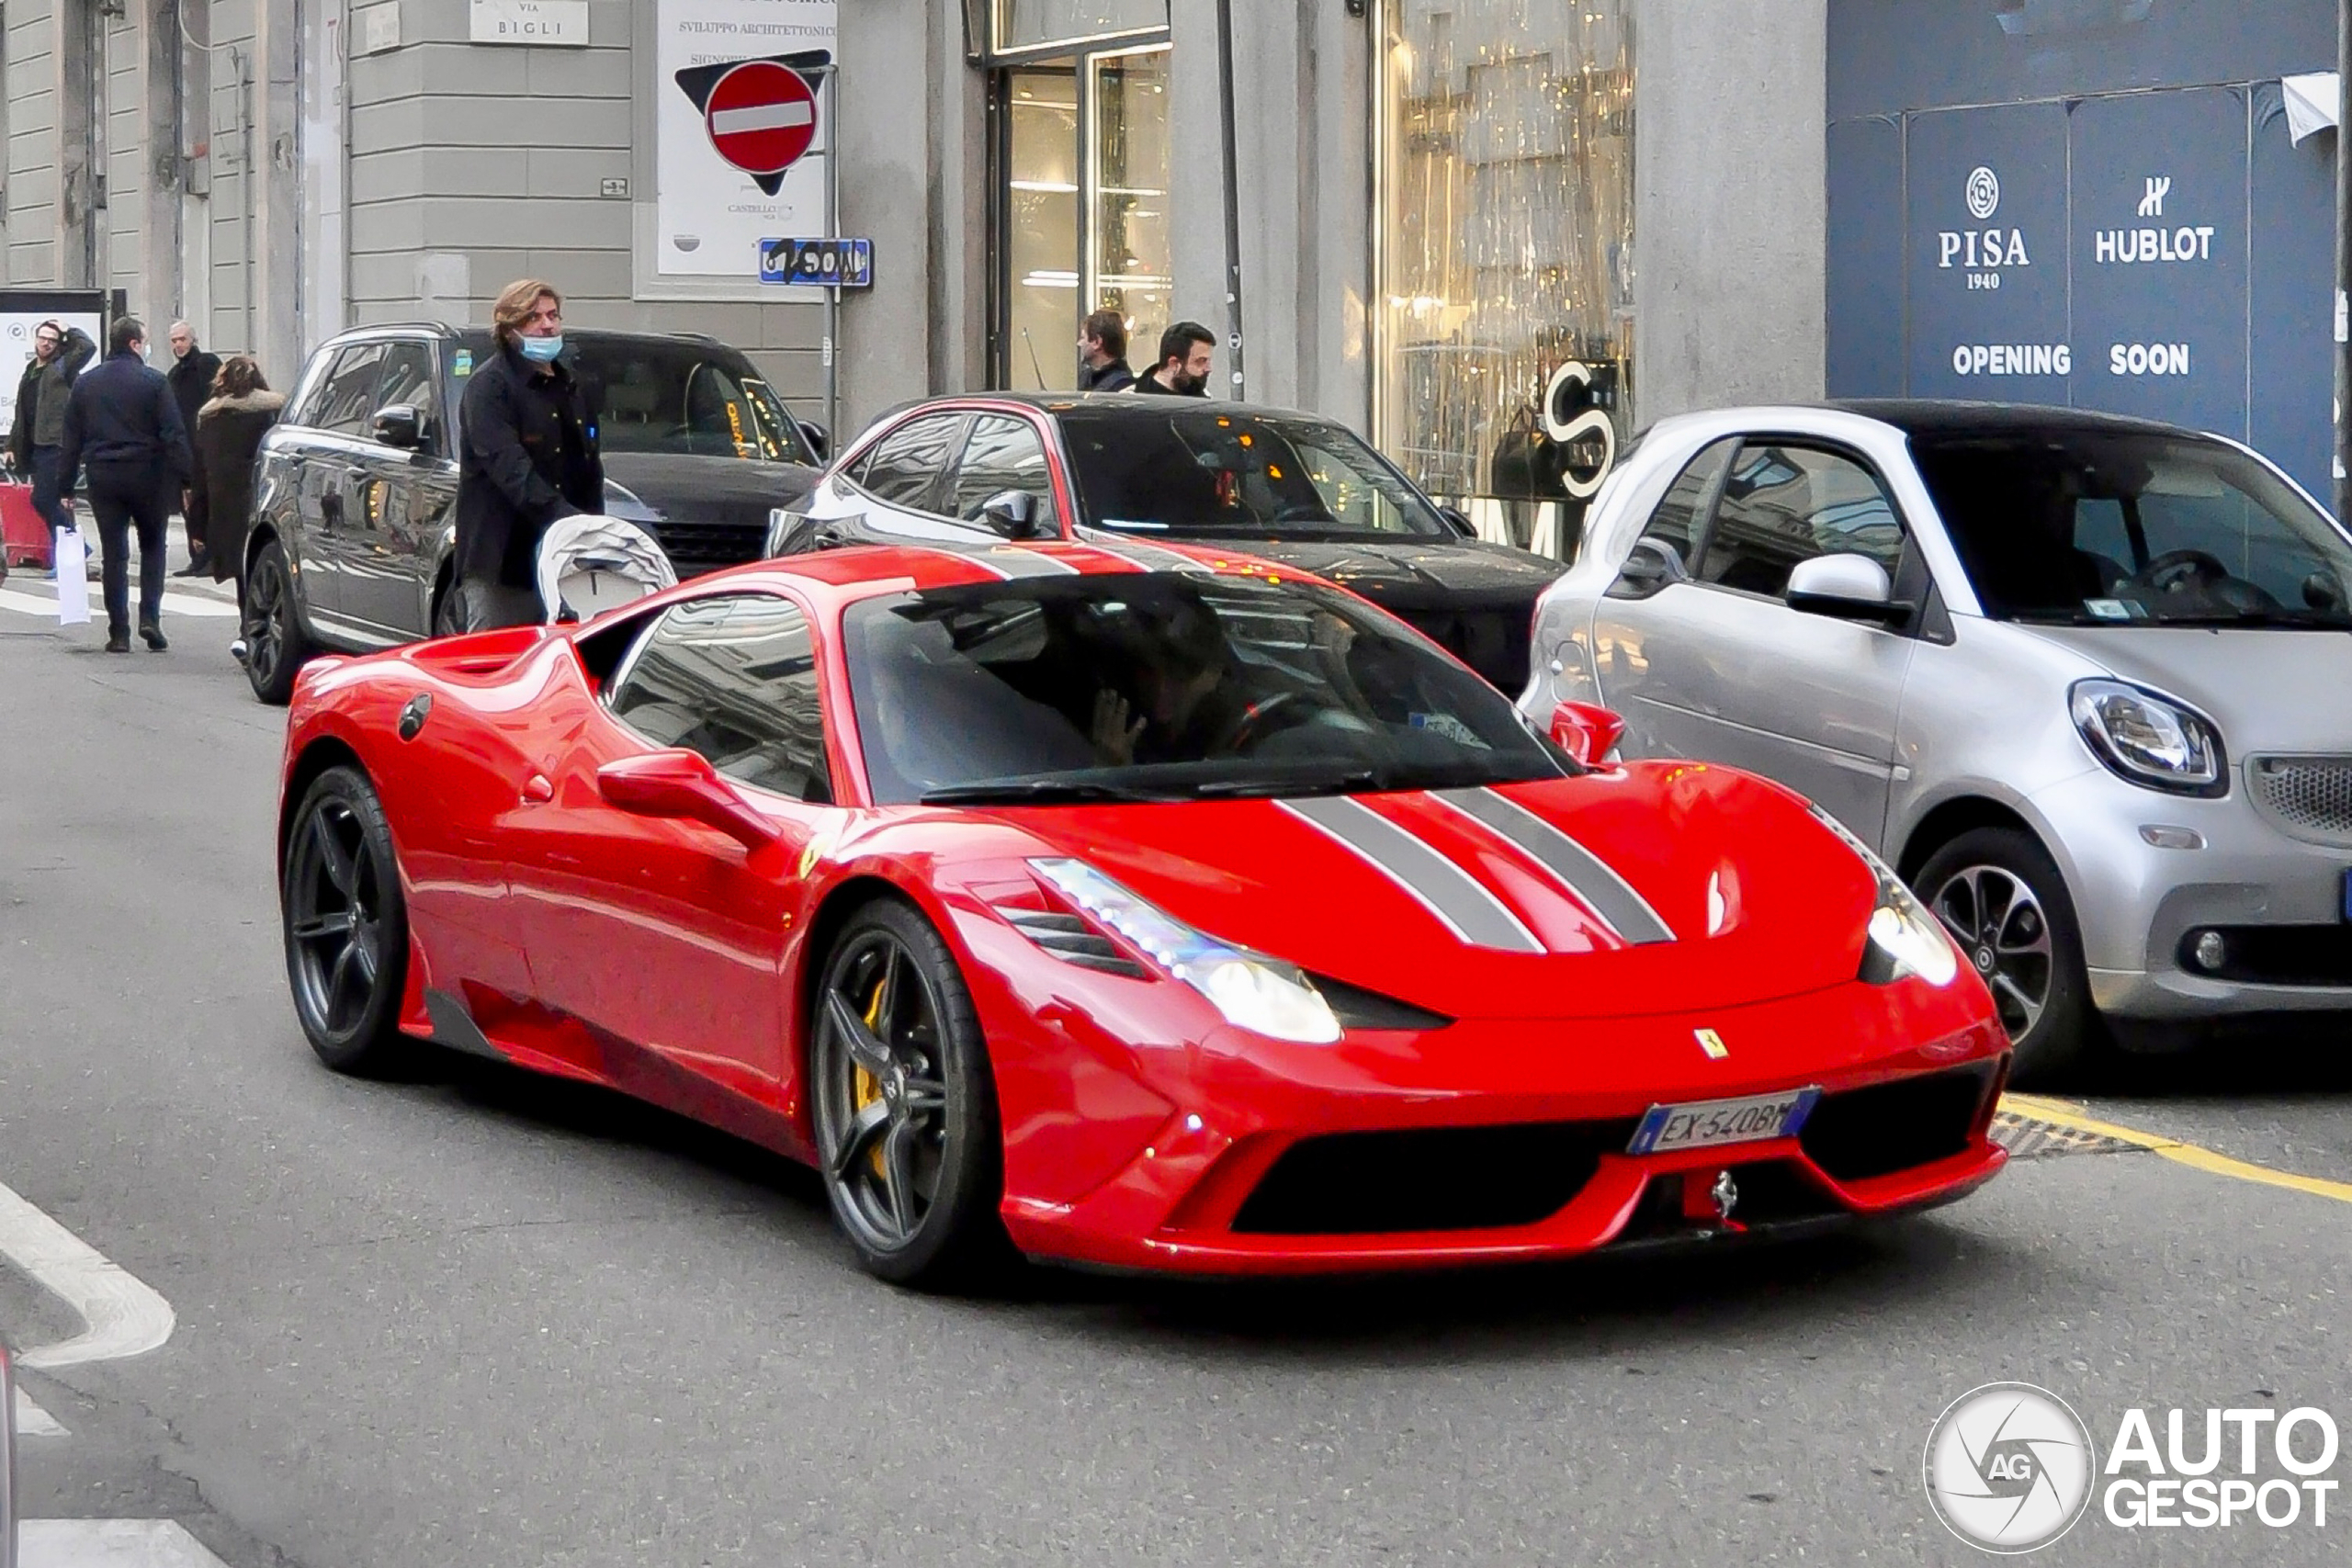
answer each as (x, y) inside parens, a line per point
(2348, 895)
(1704, 1123)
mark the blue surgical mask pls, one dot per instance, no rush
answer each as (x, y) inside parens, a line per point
(541, 350)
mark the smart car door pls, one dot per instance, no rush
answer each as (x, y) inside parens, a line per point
(1707, 658)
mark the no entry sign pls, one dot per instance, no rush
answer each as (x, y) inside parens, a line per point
(762, 116)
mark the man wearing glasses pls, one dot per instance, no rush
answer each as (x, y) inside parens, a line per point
(38, 433)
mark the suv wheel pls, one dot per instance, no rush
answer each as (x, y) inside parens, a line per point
(276, 646)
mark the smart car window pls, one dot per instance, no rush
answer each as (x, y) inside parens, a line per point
(1783, 504)
(734, 677)
(2103, 527)
(1206, 472)
(347, 400)
(1002, 453)
(1675, 522)
(905, 466)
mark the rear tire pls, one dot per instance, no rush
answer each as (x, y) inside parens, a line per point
(346, 925)
(448, 618)
(276, 646)
(2002, 898)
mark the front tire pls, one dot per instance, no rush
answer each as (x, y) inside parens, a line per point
(2000, 895)
(276, 646)
(904, 1105)
(345, 924)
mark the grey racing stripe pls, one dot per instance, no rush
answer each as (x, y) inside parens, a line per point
(1014, 561)
(1458, 899)
(1586, 874)
(1135, 552)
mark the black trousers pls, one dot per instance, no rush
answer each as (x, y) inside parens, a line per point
(119, 506)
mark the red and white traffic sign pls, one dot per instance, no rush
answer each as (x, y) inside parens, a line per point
(762, 116)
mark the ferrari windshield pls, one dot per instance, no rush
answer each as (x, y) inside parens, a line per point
(2096, 528)
(1165, 686)
(1194, 472)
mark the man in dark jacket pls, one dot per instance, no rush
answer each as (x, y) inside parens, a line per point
(1185, 351)
(1105, 346)
(528, 458)
(191, 377)
(122, 425)
(60, 353)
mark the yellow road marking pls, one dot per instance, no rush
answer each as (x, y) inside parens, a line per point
(2059, 1114)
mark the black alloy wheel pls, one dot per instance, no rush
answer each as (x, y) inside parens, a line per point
(2000, 895)
(276, 648)
(905, 1108)
(346, 924)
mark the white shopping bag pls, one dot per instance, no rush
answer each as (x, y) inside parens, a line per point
(72, 579)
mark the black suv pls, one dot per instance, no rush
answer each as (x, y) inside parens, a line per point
(353, 521)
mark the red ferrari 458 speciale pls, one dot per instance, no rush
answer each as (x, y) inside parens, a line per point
(1132, 907)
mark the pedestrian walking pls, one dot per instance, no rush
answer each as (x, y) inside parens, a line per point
(191, 377)
(229, 429)
(1185, 351)
(528, 458)
(122, 425)
(38, 432)
(1105, 346)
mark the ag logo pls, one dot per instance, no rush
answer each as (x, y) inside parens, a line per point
(2010, 1468)
(1984, 193)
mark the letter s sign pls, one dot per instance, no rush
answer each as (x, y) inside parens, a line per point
(1569, 418)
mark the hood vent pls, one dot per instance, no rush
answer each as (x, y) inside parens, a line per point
(1073, 940)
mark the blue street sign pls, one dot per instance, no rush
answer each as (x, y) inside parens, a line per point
(838, 264)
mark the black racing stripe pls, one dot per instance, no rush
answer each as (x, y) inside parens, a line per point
(1584, 874)
(1463, 903)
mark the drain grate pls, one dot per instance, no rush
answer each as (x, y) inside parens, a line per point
(2027, 1137)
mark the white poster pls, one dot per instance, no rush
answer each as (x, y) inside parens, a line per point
(711, 215)
(16, 347)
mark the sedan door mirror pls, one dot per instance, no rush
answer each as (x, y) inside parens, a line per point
(401, 426)
(1587, 731)
(1649, 566)
(820, 439)
(1845, 587)
(684, 785)
(1015, 514)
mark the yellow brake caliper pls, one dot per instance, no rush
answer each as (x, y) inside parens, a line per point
(865, 1087)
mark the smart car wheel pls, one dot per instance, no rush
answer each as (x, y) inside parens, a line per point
(1999, 894)
(276, 648)
(904, 1105)
(346, 924)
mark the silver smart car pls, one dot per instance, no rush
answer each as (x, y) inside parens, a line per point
(2084, 681)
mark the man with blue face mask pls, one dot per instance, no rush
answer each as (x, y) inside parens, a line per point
(528, 458)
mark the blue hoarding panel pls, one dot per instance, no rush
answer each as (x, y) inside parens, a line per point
(2160, 256)
(2287, 301)
(1865, 348)
(1986, 269)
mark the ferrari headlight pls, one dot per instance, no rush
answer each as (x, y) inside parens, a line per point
(2148, 739)
(1904, 940)
(1251, 990)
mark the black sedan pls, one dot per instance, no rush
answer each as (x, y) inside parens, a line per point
(1124, 471)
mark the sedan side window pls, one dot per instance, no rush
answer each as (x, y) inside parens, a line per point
(347, 400)
(905, 466)
(734, 677)
(1782, 504)
(1001, 454)
(1675, 522)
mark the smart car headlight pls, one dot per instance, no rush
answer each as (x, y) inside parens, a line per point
(1251, 990)
(2149, 740)
(1903, 939)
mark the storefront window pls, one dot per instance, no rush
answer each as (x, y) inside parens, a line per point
(1030, 24)
(1506, 262)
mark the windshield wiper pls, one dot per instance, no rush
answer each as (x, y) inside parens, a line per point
(1347, 781)
(1037, 792)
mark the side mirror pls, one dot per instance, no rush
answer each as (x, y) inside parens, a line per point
(1845, 587)
(1459, 521)
(1587, 731)
(401, 426)
(820, 439)
(1649, 566)
(1015, 514)
(684, 785)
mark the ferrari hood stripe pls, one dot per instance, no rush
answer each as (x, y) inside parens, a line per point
(1150, 558)
(1583, 873)
(1014, 561)
(1460, 901)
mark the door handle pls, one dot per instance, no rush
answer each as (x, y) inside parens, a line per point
(537, 789)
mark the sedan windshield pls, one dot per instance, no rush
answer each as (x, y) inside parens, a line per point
(678, 396)
(1193, 472)
(1165, 686)
(2119, 528)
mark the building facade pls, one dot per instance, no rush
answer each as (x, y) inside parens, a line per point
(1498, 235)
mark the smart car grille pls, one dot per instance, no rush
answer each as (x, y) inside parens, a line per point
(1435, 1179)
(1862, 1133)
(2306, 797)
(695, 548)
(1072, 939)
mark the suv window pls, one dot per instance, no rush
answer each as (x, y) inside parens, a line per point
(1001, 454)
(905, 466)
(409, 378)
(1675, 522)
(347, 399)
(733, 677)
(1783, 504)
(675, 395)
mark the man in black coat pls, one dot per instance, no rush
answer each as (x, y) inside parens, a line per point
(122, 425)
(1184, 361)
(528, 459)
(1104, 348)
(191, 377)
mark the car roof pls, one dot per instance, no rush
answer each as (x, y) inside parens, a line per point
(1116, 404)
(1954, 417)
(596, 334)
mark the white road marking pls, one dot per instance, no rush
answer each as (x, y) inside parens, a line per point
(121, 1316)
(110, 1543)
(32, 1421)
(174, 604)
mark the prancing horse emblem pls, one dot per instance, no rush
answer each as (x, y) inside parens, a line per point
(1712, 1044)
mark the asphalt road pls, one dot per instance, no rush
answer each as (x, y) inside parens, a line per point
(480, 1318)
